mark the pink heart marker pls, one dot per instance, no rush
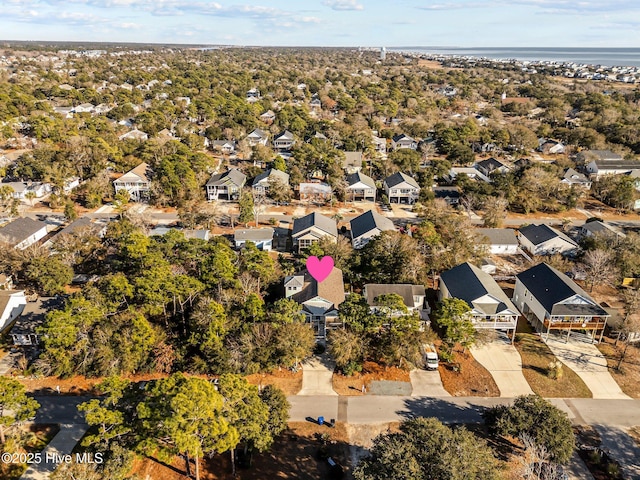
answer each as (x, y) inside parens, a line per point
(320, 269)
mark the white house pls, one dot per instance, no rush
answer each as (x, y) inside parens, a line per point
(12, 303)
(257, 137)
(261, 237)
(283, 141)
(136, 181)
(367, 226)
(598, 228)
(413, 296)
(401, 188)
(403, 141)
(571, 177)
(552, 301)
(606, 162)
(311, 228)
(134, 134)
(360, 187)
(502, 241)
(545, 240)
(490, 306)
(23, 232)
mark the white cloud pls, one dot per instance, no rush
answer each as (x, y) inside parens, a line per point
(343, 4)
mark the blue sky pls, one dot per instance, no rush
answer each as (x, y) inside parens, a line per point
(463, 23)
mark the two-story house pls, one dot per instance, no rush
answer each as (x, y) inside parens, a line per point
(413, 297)
(263, 181)
(257, 137)
(361, 187)
(283, 141)
(226, 186)
(137, 182)
(319, 300)
(403, 141)
(490, 306)
(545, 240)
(401, 188)
(552, 301)
(311, 228)
(367, 226)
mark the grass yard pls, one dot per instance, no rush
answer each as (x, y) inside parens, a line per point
(628, 377)
(536, 358)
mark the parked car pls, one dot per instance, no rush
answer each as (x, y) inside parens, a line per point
(430, 355)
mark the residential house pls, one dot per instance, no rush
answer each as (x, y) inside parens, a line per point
(315, 192)
(603, 229)
(413, 297)
(134, 134)
(552, 301)
(403, 141)
(22, 190)
(367, 226)
(319, 300)
(315, 102)
(84, 108)
(261, 237)
(257, 137)
(401, 188)
(23, 232)
(78, 228)
(471, 172)
(268, 117)
(550, 147)
(226, 147)
(226, 186)
(360, 187)
(571, 177)
(451, 195)
(490, 306)
(136, 181)
(352, 162)
(283, 141)
(502, 241)
(189, 233)
(606, 162)
(491, 165)
(12, 303)
(253, 95)
(311, 228)
(380, 144)
(262, 182)
(545, 240)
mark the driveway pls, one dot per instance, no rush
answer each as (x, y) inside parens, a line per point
(504, 363)
(317, 375)
(586, 360)
(427, 383)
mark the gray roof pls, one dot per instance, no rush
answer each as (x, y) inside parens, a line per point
(402, 136)
(352, 159)
(406, 291)
(446, 192)
(331, 288)
(233, 176)
(551, 287)
(499, 236)
(368, 221)
(272, 174)
(253, 234)
(600, 155)
(538, 234)
(360, 177)
(286, 135)
(467, 282)
(575, 177)
(398, 178)
(20, 229)
(258, 133)
(601, 227)
(326, 224)
(490, 164)
(82, 222)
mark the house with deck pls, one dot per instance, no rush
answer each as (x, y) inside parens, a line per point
(490, 306)
(360, 187)
(283, 141)
(257, 137)
(137, 182)
(311, 228)
(550, 300)
(403, 141)
(319, 300)
(401, 188)
(226, 186)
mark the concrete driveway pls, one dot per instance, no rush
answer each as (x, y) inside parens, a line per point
(317, 375)
(504, 363)
(586, 360)
(427, 383)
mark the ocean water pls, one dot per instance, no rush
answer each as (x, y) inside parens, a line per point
(612, 57)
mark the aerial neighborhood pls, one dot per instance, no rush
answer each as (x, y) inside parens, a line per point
(161, 224)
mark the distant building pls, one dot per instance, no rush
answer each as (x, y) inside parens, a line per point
(606, 162)
(261, 237)
(23, 232)
(315, 192)
(383, 54)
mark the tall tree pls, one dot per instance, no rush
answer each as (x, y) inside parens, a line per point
(15, 405)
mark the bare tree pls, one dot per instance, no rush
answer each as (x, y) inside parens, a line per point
(495, 211)
(599, 267)
(535, 463)
(630, 326)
